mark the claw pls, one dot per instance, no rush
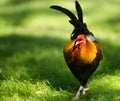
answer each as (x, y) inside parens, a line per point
(80, 91)
(84, 91)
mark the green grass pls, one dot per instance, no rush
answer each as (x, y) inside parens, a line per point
(32, 37)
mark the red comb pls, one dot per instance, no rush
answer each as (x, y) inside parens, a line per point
(80, 37)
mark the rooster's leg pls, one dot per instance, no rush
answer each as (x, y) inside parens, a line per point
(80, 91)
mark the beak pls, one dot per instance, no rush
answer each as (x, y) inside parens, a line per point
(76, 43)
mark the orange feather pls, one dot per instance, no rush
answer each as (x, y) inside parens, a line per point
(84, 54)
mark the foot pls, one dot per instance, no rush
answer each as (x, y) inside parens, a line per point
(80, 91)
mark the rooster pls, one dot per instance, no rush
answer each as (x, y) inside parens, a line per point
(83, 53)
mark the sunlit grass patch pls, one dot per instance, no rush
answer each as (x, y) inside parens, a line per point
(105, 87)
(25, 90)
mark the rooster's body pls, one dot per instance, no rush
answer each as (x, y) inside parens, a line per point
(82, 59)
(83, 53)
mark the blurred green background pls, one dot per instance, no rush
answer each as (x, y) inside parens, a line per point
(32, 37)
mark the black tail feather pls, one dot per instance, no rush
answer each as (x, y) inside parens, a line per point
(67, 12)
(79, 11)
(79, 26)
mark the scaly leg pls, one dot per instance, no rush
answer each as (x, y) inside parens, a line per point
(80, 91)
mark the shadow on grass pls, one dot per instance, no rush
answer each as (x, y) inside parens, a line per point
(111, 61)
(45, 64)
(13, 44)
(14, 2)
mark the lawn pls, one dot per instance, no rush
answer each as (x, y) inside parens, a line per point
(32, 37)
